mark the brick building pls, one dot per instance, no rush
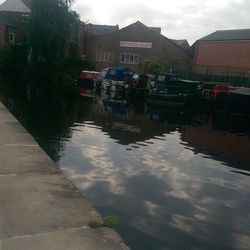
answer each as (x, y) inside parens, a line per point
(223, 53)
(13, 15)
(91, 33)
(182, 43)
(136, 46)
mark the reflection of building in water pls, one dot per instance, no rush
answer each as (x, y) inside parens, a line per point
(236, 148)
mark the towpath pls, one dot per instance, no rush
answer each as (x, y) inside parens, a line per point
(40, 208)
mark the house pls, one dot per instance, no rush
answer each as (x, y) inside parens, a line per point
(223, 53)
(13, 13)
(90, 33)
(182, 43)
(100, 30)
(136, 46)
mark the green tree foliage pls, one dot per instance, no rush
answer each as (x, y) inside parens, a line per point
(49, 54)
(54, 58)
(51, 29)
(14, 59)
(157, 66)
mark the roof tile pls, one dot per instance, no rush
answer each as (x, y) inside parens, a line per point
(222, 35)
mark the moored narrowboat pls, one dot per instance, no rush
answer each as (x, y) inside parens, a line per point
(115, 82)
(170, 89)
(86, 83)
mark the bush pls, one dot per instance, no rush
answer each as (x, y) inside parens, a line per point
(157, 66)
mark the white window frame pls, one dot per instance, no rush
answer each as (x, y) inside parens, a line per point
(129, 58)
(25, 18)
(104, 56)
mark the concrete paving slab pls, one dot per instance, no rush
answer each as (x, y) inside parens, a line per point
(11, 131)
(28, 158)
(77, 238)
(32, 204)
(40, 208)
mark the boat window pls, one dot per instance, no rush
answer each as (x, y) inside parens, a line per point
(89, 76)
(103, 73)
(161, 78)
(112, 72)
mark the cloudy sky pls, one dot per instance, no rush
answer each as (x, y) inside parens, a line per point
(179, 19)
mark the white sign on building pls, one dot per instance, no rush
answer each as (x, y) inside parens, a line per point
(143, 45)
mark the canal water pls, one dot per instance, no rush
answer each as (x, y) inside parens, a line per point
(175, 178)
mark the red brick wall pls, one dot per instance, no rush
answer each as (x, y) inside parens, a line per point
(231, 146)
(233, 54)
(16, 16)
(162, 48)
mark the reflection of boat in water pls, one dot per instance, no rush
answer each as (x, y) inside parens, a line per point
(228, 98)
(126, 127)
(167, 99)
(171, 114)
(119, 119)
(239, 100)
(115, 106)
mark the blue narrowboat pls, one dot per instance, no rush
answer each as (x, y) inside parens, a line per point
(114, 82)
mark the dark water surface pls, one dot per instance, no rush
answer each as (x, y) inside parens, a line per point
(176, 179)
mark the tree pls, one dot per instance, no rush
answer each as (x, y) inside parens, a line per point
(157, 66)
(51, 27)
(54, 58)
(49, 57)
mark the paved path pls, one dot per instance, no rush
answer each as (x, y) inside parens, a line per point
(40, 209)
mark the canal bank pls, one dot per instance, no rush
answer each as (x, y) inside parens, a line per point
(39, 207)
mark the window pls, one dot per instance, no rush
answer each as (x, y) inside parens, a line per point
(11, 37)
(112, 72)
(129, 58)
(104, 56)
(25, 18)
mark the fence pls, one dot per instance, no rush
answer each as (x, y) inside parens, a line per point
(236, 76)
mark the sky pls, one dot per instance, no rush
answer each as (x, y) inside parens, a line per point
(178, 19)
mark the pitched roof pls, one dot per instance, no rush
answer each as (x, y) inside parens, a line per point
(140, 25)
(222, 35)
(27, 3)
(156, 29)
(100, 30)
(182, 43)
(21, 6)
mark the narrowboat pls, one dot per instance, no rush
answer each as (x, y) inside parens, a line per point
(86, 83)
(220, 96)
(114, 82)
(170, 89)
(139, 86)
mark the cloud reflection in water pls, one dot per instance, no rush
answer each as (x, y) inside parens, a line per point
(163, 189)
